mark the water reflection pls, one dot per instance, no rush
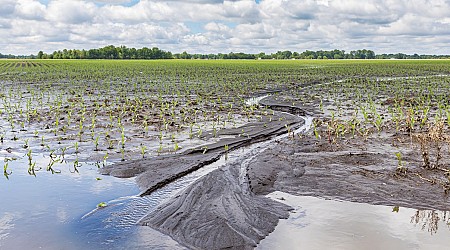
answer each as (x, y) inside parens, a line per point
(44, 211)
(6, 224)
(328, 224)
(430, 220)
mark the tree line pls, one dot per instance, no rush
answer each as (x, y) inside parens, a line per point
(108, 52)
(320, 54)
(123, 52)
(10, 56)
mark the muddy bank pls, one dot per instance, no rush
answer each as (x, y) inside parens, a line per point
(286, 104)
(353, 170)
(227, 208)
(216, 213)
(153, 173)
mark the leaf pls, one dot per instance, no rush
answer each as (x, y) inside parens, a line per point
(396, 209)
(102, 205)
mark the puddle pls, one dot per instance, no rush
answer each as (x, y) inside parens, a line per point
(254, 100)
(59, 211)
(45, 211)
(327, 224)
(408, 77)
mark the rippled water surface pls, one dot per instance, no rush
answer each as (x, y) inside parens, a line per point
(46, 211)
(59, 211)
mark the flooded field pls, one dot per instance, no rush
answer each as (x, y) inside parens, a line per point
(59, 212)
(46, 211)
(224, 154)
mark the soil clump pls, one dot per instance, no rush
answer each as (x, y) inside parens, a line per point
(153, 173)
(227, 208)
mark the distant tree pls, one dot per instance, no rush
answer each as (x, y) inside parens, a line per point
(83, 54)
(122, 52)
(185, 55)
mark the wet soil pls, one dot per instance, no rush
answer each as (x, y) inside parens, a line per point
(215, 213)
(155, 172)
(354, 171)
(227, 208)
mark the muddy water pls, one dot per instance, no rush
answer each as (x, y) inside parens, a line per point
(328, 224)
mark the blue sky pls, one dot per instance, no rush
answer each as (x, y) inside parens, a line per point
(212, 26)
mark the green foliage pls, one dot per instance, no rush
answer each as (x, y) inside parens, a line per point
(102, 205)
(149, 102)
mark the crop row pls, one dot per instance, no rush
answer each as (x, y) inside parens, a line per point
(129, 109)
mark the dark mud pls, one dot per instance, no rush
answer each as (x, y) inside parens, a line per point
(283, 104)
(216, 213)
(353, 170)
(153, 173)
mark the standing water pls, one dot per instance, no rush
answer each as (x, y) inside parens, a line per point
(317, 223)
(59, 211)
(45, 211)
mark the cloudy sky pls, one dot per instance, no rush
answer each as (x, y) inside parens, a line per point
(211, 26)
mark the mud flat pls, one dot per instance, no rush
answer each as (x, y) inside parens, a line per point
(153, 173)
(228, 209)
(216, 213)
(222, 210)
(218, 210)
(354, 171)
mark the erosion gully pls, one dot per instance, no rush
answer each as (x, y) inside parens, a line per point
(60, 212)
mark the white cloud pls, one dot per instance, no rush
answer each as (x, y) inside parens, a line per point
(217, 27)
(407, 25)
(205, 26)
(143, 11)
(111, 1)
(30, 9)
(70, 11)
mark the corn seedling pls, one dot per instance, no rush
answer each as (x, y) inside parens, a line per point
(25, 145)
(76, 165)
(143, 151)
(96, 143)
(6, 173)
(401, 170)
